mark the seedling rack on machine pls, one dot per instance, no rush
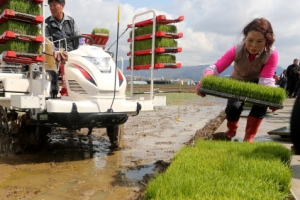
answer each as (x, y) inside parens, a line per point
(21, 95)
(94, 89)
(152, 46)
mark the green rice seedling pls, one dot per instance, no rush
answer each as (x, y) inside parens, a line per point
(225, 170)
(244, 89)
(158, 58)
(23, 6)
(20, 46)
(20, 27)
(248, 105)
(100, 31)
(148, 29)
(159, 42)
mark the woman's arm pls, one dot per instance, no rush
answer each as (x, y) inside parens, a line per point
(267, 73)
(221, 64)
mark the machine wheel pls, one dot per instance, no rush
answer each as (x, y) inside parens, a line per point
(90, 131)
(4, 136)
(21, 131)
(295, 125)
(3, 120)
(33, 139)
(115, 134)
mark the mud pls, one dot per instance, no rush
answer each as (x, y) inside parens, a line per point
(75, 166)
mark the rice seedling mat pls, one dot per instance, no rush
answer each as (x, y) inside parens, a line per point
(12, 15)
(239, 98)
(160, 19)
(24, 58)
(157, 34)
(100, 36)
(20, 27)
(9, 35)
(99, 39)
(33, 1)
(156, 66)
(157, 50)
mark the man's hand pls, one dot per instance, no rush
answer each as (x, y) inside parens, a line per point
(60, 56)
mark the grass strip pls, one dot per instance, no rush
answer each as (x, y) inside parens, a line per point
(100, 30)
(225, 170)
(244, 89)
(158, 58)
(20, 27)
(159, 42)
(21, 46)
(148, 29)
(23, 6)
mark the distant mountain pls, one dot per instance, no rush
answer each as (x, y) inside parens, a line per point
(185, 72)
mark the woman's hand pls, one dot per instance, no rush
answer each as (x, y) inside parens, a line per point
(197, 90)
(273, 109)
(206, 73)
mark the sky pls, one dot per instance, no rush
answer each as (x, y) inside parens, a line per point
(210, 27)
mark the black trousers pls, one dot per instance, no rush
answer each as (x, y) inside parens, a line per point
(296, 91)
(291, 86)
(234, 109)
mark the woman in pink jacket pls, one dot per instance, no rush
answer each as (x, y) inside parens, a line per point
(255, 60)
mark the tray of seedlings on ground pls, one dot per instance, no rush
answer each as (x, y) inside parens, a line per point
(165, 44)
(20, 36)
(100, 36)
(243, 91)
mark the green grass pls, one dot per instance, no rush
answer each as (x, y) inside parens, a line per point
(100, 30)
(22, 6)
(225, 170)
(244, 89)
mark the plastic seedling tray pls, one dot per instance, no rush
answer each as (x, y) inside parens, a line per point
(239, 98)
(156, 66)
(157, 50)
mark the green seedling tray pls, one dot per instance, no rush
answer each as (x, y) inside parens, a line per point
(239, 98)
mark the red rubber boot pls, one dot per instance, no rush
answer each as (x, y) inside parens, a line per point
(232, 127)
(252, 126)
(230, 133)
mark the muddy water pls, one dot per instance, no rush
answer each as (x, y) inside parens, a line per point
(77, 166)
(72, 166)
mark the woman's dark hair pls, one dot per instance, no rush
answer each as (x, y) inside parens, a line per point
(264, 26)
(58, 1)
